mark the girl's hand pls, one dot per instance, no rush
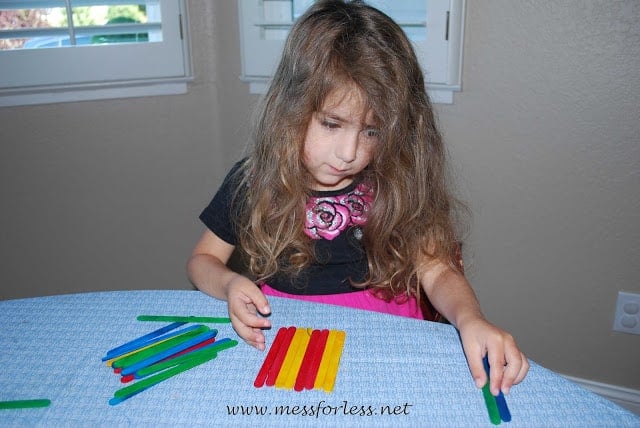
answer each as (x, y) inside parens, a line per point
(244, 301)
(508, 364)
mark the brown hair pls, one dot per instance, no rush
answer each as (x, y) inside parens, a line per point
(337, 43)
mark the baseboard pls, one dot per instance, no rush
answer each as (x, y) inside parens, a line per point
(624, 397)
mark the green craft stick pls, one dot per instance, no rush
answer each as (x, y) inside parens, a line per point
(200, 353)
(157, 367)
(24, 404)
(141, 385)
(492, 406)
(161, 346)
(171, 318)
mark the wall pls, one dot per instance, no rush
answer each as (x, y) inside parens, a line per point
(544, 138)
(105, 195)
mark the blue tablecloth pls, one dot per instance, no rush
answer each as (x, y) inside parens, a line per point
(51, 347)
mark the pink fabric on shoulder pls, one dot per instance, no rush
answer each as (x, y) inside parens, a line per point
(364, 299)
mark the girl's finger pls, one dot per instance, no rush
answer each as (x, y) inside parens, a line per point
(496, 371)
(516, 368)
(476, 367)
(524, 369)
(253, 336)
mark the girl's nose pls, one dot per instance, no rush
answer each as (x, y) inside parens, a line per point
(347, 147)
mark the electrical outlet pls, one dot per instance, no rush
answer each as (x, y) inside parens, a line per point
(627, 319)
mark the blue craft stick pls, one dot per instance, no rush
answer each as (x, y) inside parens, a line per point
(153, 341)
(501, 402)
(505, 414)
(147, 351)
(215, 347)
(141, 341)
(169, 352)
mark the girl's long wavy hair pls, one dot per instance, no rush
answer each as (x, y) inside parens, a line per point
(337, 43)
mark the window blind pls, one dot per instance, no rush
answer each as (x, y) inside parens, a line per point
(67, 45)
(435, 27)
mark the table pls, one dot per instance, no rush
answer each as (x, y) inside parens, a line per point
(51, 347)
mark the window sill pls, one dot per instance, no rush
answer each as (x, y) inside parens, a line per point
(438, 93)
(92, 91)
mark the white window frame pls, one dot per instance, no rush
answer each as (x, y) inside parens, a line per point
(440, 54)
(80, 73)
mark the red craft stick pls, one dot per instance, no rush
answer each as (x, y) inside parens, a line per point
(127, 378)
(306, 361)
(190, 349)
(279, 359)
(269, 359)
(314, 365)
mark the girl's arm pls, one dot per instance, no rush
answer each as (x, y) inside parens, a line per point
(451, 294)
(207, 270)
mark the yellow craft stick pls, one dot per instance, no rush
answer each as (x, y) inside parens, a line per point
(287, 364)
(110, 362)
(324, 364)
(334, 361)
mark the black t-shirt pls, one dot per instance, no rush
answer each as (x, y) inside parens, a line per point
(334, 220)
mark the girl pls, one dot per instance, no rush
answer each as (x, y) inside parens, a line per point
(343, 198)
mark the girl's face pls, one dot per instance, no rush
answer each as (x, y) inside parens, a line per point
(340, 140)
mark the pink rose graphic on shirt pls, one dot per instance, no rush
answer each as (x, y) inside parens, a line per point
(327, 217)
(358, 205)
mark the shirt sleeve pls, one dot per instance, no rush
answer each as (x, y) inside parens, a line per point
(219, 216)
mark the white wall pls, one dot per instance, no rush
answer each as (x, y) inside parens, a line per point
(545, 138)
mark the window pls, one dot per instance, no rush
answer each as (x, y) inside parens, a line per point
(434, 26)
(69, 50)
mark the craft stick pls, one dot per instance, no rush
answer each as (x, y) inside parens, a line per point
(287, 364)
(296, 361)
(501, 402)
(215, 347)
(306, 361)
(150, 342)
(334, 361)
(136, 388)
(140, 354)
(192, 348)
(490, 402)
(324, 363)
(164, 354)
(24, 404)
(205, 351)
(145, 353)
(505, 414)
(193, 319)
(159, 347)
(261, 377)
(118, 369)
(275, 368)
(312, 371)
(129, 377)
(140, 341)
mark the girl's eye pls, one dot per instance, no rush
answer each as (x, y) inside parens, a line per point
(372, 133)
(330, 125)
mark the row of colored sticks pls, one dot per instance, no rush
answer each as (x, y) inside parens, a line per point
(161, 354)
(302, 358)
